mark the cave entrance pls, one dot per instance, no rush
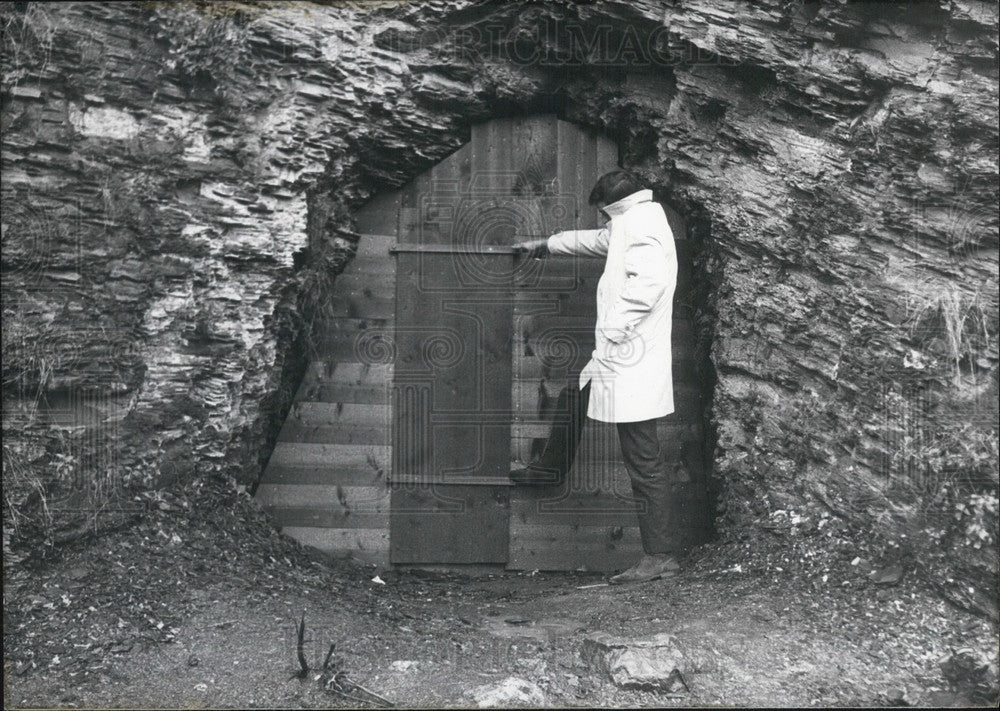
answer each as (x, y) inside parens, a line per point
(443, 367)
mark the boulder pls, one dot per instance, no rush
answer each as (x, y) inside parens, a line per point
(651, 663)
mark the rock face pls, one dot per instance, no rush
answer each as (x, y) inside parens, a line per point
(178, 183)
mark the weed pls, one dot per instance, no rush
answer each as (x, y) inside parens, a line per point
(956, 322)
(28, 32)
(316, 305)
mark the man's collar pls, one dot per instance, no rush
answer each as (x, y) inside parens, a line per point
(621, 206)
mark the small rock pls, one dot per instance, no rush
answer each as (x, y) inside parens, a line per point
(531, 665)
(512, 691)
(764, 614)
(77, 572)
(654, 663)
(889, 575)
(864, 567)
(403, 665)
(898, 696)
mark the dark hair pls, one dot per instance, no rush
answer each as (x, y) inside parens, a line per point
(612, 187)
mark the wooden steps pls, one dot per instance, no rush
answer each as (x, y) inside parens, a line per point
(370, 545)
(326, 481)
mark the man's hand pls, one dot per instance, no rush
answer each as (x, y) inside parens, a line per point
(536, 248)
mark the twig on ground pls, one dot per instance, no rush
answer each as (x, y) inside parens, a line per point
(335, 679)
(379, 699)
(300, 648)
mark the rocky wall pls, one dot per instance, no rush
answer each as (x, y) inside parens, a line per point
(178, 181)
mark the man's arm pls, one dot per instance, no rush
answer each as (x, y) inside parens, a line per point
(649, 269)
(584, 243)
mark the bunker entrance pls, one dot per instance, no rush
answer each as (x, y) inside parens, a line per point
(447, 365)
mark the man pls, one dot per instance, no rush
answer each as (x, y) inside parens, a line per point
(628, 379)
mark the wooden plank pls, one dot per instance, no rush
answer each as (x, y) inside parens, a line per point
(345, 304)
(356, 474)
(607, 155)
(587, 511)
(377, 266)
(356, 456)
(313, 389)
(688, 405)
(380, 214)
(576, 276)
(376, 245)
(412, 206)
(357, 499)
(540, 329)
(586, 176)
(322, 413)
(370, 545)
(506, 149)
(531, 368)
(668, 429)
(339, 433)
(567, 149)
(367, 345)
(452, 355)
(350, 283)
(449, 524)
(537, 166)
(326, 517)
(479, 155)
(576, 304)
(348, 372)
(568, 266)
(447, 175)
(567, 547)
(592, 475)
(463, 161)
(684, 367)
(341, 393)
(350, 328)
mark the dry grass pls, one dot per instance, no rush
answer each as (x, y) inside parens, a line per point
(28, 35)
(958, 319)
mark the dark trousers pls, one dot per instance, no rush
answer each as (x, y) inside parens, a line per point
(641, 452)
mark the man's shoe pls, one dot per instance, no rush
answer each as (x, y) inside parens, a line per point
(649, 567)
(530, 476)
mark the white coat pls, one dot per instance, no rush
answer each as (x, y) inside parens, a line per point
(630, 369)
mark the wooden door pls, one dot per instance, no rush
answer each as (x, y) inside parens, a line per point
(456, 393)
(451, 404)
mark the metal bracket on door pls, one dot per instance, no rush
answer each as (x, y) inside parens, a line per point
(452, 249)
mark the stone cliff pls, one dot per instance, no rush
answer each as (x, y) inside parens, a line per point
(178, 185)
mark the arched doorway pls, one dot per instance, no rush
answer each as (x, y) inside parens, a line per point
(444, 362)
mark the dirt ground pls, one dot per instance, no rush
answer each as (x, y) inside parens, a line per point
(196, 606)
